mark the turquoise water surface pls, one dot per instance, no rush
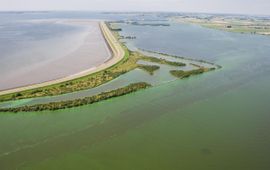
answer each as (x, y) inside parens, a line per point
(215, 121)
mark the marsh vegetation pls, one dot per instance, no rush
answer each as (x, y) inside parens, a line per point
(149, 68)
(79, 102)
(185, 74)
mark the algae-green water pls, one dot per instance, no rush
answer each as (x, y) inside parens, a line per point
(215, 121)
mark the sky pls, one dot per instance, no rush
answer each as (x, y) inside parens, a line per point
(209, 6)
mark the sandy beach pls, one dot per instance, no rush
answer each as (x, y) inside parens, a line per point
(77, 61)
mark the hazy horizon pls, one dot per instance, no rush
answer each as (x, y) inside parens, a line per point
(185, 12)
(260, 7)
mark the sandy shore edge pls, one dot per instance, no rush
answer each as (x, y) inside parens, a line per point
(118, 54)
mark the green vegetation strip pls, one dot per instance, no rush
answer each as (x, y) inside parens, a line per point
(80, 102)
(185, 74)
(162, 61)
(180, 57)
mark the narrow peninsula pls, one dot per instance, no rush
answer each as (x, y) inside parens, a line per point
(122, 61)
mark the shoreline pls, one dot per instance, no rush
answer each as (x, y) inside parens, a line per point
(131, 88)
(234, 25)
(117, 54)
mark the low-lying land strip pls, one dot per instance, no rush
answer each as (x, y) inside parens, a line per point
(80, 102)
(238, 24)
(162, 61)
(185, 74)
(185, 58)
(149, 68)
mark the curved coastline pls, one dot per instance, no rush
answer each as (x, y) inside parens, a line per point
(116, 49)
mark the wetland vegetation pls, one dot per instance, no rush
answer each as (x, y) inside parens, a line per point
(185, 74)
(80, 102)
(149, 68)
(180, 57)
(162, 61)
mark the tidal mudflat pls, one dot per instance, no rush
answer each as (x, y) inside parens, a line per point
(80, 49)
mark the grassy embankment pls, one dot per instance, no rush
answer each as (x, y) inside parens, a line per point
(79, 102)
